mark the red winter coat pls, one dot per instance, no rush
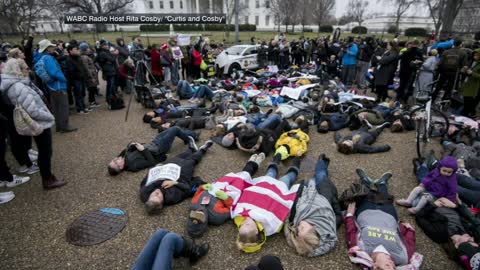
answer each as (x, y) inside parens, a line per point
(197, 58)
(157, 69)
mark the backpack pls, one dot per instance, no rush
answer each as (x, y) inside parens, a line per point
(24, 123)
(116, 103)
(41, 70)
(451, 61)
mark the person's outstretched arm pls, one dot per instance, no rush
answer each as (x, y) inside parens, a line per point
(370, 149)
(350, 226)
(408, 233)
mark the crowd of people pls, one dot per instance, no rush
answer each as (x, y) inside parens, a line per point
(269, 113)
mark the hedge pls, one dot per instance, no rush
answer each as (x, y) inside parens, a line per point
(477, 35)
(197, 27)
(416, 32)
(359, 30)
(309, 30)
(325, 29)
(392, 29)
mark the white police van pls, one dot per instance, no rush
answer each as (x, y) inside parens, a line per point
(236, 58)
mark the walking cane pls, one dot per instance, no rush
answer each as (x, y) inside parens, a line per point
(128, 107)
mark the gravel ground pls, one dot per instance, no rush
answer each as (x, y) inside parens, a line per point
(33, 225)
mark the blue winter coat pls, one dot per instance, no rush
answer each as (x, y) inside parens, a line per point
(350, 56)
(58, 82)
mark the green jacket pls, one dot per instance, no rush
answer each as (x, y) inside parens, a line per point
(472, 85)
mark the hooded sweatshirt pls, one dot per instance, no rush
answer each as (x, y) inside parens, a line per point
(25, 93)
(443, 186)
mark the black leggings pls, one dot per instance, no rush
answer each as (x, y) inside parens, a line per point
(44, 146)
(5, 174)
(251, 167)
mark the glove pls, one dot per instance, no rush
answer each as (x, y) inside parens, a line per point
(221, 195)
(207, 187)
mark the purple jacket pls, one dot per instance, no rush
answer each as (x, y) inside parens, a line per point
(442, 186)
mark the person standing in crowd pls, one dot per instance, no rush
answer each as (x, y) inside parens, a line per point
(91, 78)
(426, 73)
(166, 60)
(127, 71)
(471, 87)
(137, 53)
(108, 63)
(76, 75)
(408, 68)
(197, 61)
(349, 62)
(17, 86)
(385, 70)
(365, 52)
(56, 86)
(122, 56)
(157, 69)
(451, 62)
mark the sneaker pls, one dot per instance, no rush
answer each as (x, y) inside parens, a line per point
(6, 198)
(191, 144)
(28, 170)
(17, 180)
(88, 109)
(206, 145)
(253, 158)
(33, 152)
(94, 104)
(68, 129)
(83, 112)
(260, 158)
(6, 194)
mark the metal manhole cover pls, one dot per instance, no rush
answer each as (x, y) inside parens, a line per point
(96, 227)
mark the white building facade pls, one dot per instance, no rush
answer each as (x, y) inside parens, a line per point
(382, 23)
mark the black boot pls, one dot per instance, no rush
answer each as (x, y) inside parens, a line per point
(193, 251)
(324, 158)
(295, 165)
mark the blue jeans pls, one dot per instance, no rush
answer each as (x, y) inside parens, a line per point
(422, 172)
(204, 92)
(468, 189)
(288, 178)
(111, 88)
(321, 172)
(186, 107)
(271, 122)
(79, 93)
(165, 139)
(388, 208)
(159, 252)
(184, 90)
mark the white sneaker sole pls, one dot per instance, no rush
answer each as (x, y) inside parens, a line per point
(6, 199)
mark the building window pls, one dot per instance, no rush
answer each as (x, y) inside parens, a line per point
(267, 20)
(150, 4)
(257, 19)
(161, 4)
(181, 4)
(246, 3)
(267, 4)
(246, 19)
(257, 3)
(171, 4)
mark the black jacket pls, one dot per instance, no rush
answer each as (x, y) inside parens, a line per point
(364, 145)
(180, 191)
(75, 68)
(138, 160)
(107, 62)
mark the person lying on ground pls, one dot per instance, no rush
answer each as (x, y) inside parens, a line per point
(190, 123)
(457, 229)
(375, 239)
(333, 122)
(163, 247)
(262, 139)
(159, 116)
(263, 208)
(267, 262)
(172, 181)
(401, 121)
(138, 156)
(469, 153)
(440, 183)
(212, 202)
(361, 141)
(293, 143)
(312, 226)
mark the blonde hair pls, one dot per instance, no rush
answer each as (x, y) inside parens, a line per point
(14, 67)
(245, 240)
(128, 61)
(306, 244)
(13, 53)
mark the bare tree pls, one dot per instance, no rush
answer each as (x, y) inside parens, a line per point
(401, 6)
(357, 9)
(230, 12)
(321, 10)
(468, 20)
(443, 13)
(19, 14)
(57, 9)
(281, 12)
(98, 7)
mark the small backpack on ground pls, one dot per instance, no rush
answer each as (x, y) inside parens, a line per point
(116, 103)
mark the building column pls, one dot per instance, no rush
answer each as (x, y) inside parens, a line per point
(210, 6)
(197, 3)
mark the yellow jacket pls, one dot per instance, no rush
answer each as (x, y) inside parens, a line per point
(297, 142)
